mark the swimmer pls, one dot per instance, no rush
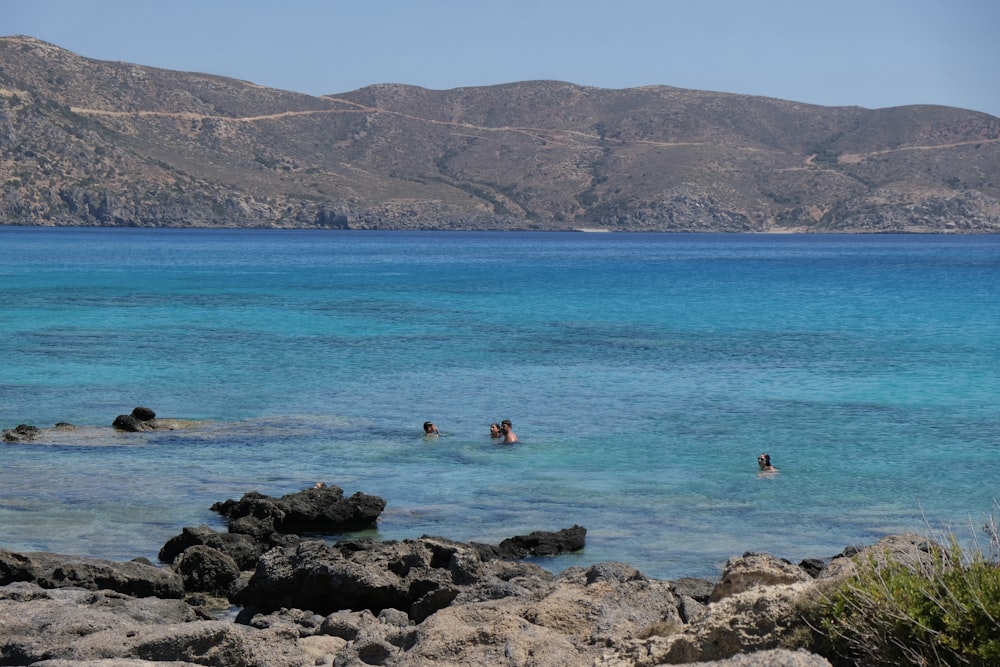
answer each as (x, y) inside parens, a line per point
(495, 431)
(764, 462)
(507, 431)
(430, 430)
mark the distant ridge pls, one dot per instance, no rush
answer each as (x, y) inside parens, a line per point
(87, 142)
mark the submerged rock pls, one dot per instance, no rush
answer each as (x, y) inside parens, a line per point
(21, 433)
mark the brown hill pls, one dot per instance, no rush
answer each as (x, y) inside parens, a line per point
(86, 142)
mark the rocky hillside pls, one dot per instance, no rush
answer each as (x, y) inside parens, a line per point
(86, 142)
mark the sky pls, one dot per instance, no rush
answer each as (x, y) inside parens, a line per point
(869, 53)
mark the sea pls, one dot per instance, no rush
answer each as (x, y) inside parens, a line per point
(643, 374)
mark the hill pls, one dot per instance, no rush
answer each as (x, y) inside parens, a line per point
(87, 142)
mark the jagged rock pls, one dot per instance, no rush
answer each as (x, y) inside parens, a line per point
(60, 571)
(207, 570)
(38, 623)
(752, 569)
(543, 543)
(21, 433)
(757, 619)
(243, 549)
(424, 601)
(414, 576)
(314, 510)
(909, 549)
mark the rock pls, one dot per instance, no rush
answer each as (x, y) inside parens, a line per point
(129, 423)
(909, 549)
(144, 419)
(59, 571)
(38, 623)
(772, 658)
(423, 601)
(243, 549)
(314, 510)
(21, 433)
(143, 414)
(417, 577)
(758, 619)
(542, 543)
(752, 569)
(813, 566)
(570, 620)
(207, 570)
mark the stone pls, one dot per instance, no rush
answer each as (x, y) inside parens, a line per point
(207, 570)
(752, 569)
(243, 549)
(128, 423)
(21, 433)
(143, 414)
(314, 510)
(60, 571)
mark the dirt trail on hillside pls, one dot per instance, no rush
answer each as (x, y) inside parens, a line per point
(542, 134)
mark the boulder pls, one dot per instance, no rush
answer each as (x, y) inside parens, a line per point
(144, 419)
(540, 543)
(21, 433)
(910, 549)
(311, 510)
(143, 414)
(129, 423)
(243, 549)
(752, 569)
(757, 619)
(133, 578)
(207, 570)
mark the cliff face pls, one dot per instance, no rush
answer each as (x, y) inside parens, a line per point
(85, 142)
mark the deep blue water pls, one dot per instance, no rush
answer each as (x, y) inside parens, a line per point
(643, 374)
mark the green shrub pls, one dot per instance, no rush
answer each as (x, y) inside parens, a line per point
(944, 611)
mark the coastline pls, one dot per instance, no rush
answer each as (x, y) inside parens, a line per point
(303, 601)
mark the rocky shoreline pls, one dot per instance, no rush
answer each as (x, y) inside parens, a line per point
(422, 601)
(271, 592)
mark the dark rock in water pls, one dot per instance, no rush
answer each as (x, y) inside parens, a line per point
(311, 510)
(60, 571)
(141, 419)
(543, 543)
(128, 423)
(21, 433)
(243, 549)
(143, 414)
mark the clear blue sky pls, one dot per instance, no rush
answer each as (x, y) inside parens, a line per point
(871, 53)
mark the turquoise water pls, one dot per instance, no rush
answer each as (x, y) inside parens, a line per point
(643, 374)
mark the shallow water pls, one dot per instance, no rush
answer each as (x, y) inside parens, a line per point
(643, 374)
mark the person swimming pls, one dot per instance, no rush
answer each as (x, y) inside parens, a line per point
(506, 428)
(430, 430)
(495, 431)
(764, 462)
